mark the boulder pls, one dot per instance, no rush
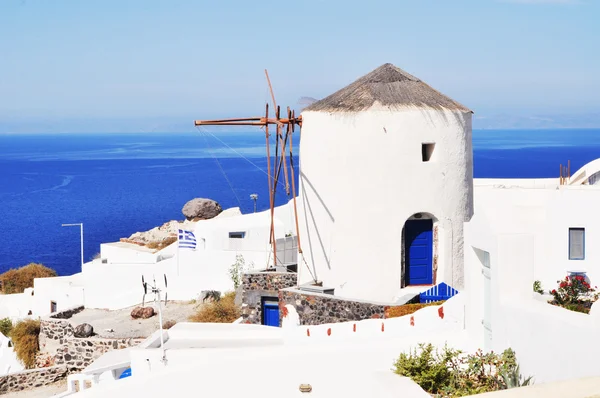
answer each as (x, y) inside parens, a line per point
(84, 330)
(201, 209)
(142, 313)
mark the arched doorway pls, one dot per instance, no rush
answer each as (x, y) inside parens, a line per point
(418, 250)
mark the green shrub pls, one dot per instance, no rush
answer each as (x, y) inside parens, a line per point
(222, 311)
(537, 287)
(25, 337)
(17, 280)
(451, 374)
(6, 326)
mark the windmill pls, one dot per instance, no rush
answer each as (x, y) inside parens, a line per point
(283, 142)
(154, 289)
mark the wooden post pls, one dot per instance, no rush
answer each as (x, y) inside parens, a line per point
(294, 191)
(560, 175)
(569, 170)
(271, 199)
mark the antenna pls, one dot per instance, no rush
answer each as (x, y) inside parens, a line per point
(157, 302)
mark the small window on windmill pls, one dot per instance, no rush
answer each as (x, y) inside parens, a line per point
(53, 307)
(427, 151)
(237, 235)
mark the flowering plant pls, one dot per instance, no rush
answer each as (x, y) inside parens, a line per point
(575, 292)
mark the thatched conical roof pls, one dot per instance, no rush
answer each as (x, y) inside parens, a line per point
(389, 86)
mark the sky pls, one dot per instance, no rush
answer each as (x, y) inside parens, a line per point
(100, 65)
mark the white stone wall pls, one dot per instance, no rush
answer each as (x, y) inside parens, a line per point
(16, 306)
(525, 232)
(362, 176)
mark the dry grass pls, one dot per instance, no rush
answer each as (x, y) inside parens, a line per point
(407, 309)
(6, 326)
(17, 280)
(162, 244)
(25, 336)
(222, 311)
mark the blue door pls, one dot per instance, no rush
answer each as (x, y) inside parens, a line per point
(418, 249)
(271, 313)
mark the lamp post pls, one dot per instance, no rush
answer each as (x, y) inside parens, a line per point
(254, 196)
(80, 225)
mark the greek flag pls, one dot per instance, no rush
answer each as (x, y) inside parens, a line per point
(187, 240)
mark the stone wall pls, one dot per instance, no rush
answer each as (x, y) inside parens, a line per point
(319, 308)
(31, 379)
(76, 354)
(256, 285)
(56, 339)
(68, 313)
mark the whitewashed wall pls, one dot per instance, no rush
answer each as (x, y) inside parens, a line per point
(9, 363)
(124, 253)
(117, 284)
(16, 306)
(525, 233)
(66, 291)
(362, 176)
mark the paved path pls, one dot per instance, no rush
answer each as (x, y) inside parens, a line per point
(578, 388)
(124, 326)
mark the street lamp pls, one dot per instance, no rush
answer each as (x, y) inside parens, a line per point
(254, 196)
(81, 236)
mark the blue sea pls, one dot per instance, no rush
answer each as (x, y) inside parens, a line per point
(118, 184)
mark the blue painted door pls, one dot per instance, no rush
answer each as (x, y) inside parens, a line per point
(418, 248)
(271, 313)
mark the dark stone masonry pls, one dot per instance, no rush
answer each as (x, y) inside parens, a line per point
(68, 313)
(319, 308)
(57, 339)
(257, 286)
(31, 379)
(77, 354)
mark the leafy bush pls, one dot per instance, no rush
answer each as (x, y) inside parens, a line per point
(17, 280)
(221, 311)
(537, 287)
(451, 374)
(236, 270)
(512, 378)
(6, 326)
(25, 337)
(574, 294)
(407, 309)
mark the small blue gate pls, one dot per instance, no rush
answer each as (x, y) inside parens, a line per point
(437, 293)
(126, 373)
(271, 313)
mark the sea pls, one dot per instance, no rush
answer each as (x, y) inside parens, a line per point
(118, 184)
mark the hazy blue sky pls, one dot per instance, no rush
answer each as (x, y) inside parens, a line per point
(115, 60)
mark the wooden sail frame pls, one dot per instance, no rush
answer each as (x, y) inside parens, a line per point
(279, 160)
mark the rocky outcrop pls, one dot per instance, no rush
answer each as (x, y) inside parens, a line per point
(194, 210)
(142, 313)
(201, 209)
(84, 330)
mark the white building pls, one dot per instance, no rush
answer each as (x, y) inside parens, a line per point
(525, 231)
(386, 183)
(113, 281)
(9, 363)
